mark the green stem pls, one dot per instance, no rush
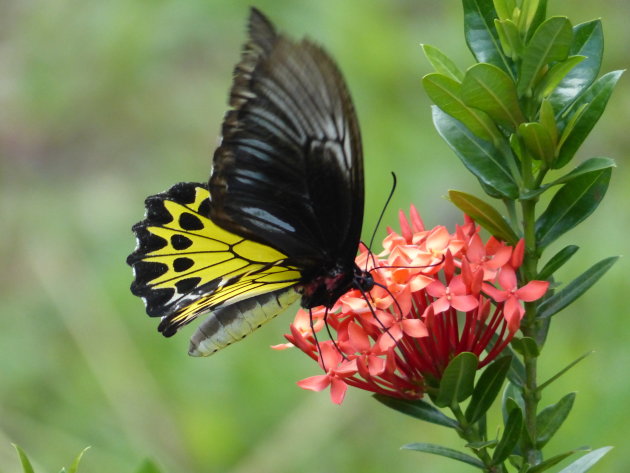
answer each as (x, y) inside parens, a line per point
(472, 434)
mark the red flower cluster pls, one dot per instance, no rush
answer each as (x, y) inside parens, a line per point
(436, 295)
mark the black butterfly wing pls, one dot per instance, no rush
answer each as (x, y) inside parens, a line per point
(289, 171)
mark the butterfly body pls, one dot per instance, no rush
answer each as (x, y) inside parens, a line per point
(281, 215)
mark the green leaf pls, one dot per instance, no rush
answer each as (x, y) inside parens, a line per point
(551, 418)
(481, 37)
(527, 14)
(548, 120)
(575, 288)
(510, 38)
(445, 93)
(538, 141)
(442, 63)
(555, 76)
(557, 261)
(490, 89)
(484, 214)
(591, 164)
(444, 452)
(480, 157)
(510, 437)
(512, 398)
(556, 376)
(595, 98)
(457, 380)
(26, 464)
(487, 388)
(75, 464)
(481, 444)
(418, 409)
(539, 16)
(148, 467)
(588, 41)
(516, 374)
(550, 43)
(587, 461)
(504, 8)
(575, 201)
(552, 461)
(525, 346)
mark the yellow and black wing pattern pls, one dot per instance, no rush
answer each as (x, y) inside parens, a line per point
(281, 216)
(185, 265)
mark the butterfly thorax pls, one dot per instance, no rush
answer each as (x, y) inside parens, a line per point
(328, 286)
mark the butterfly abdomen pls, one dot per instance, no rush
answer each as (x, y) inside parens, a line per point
(230, 324)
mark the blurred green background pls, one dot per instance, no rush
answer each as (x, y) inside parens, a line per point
(104, 103)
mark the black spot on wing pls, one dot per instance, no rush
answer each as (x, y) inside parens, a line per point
(186, 285)
(182, 264)
(180, 242)
(190, 222)
(204, 208)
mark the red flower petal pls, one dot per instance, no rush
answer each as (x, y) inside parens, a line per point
(315, 383)
(532, 291)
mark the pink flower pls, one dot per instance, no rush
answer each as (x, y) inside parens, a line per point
(435, 298)
(512, 295)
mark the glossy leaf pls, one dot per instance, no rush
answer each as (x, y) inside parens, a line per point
(516, 374)
(588, 41)
(551, 42)
(512, 398)
(444, 452)
(539, 16)
(442, 63)
(25, 462)
(490, 89)
(557, 261)
(548, 120)
(510, 38)
(575, 288)
(591, 164)
(487, 388)
(552, 461)
(457, 380)
(480, 157)
(556, 75)
(538, 141)
(484, 214)
(585, 167)
(418, 409)
(481, 37)
(446, 94)
(575, 201)
(525, 346)
(510, 437)
(595, 97)
(551, 418)
(504, 8)
(586, 462)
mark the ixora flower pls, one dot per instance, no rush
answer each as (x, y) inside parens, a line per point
(436, 295)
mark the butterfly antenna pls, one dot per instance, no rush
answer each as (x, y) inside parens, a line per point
(380, 218)
(330, 335)
(367, 300)
(319, 348)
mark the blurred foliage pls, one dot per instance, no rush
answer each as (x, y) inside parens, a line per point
(104, 103)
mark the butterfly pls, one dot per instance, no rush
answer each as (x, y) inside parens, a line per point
(280, 218)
